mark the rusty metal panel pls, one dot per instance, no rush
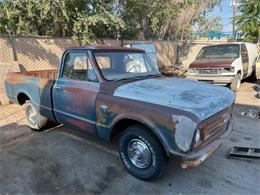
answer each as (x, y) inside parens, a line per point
(74, 103)
(37, 85)
(203, 100)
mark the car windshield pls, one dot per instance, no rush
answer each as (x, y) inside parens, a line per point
(119, 65)
(219, 52)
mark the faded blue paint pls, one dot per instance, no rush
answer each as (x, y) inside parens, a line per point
(8, 91)
(201, 99)
(40, 97)
(74, 103)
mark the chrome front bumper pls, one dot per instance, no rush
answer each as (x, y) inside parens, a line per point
(212, 79)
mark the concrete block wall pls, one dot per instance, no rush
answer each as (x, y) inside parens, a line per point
(33, 53)
(6, 65)
(39, 53)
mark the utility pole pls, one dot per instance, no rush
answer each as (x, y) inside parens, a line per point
(233, 4)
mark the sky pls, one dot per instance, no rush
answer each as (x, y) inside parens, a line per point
(225, 13)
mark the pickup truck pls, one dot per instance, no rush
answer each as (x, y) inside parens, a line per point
(119, 93)
(225, 64)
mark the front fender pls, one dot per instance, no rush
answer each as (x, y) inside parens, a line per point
(146, 122)
(110, 111)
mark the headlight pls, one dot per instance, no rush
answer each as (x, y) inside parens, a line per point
(197, 137)
(191, 70)
(226, 70)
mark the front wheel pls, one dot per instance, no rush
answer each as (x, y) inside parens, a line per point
(34, 119)
(141, 153)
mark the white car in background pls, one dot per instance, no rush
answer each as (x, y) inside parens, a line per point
(225, 64)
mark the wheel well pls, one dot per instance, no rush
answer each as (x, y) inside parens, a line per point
(121, 125)
(22, 97)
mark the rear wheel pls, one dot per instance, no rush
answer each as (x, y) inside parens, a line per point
(141, 153)
(235, 85)
(34, 119)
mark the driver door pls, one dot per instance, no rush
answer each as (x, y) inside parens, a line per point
(75, 91)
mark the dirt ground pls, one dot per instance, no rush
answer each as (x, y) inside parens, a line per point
(65, 161)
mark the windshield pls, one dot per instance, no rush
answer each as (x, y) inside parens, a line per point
(219, 52)
(124, 65)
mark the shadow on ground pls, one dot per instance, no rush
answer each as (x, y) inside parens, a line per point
(61, 160)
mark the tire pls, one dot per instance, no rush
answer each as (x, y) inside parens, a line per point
(138, 140)
(34, 120)
(235, 85)
(252, 77)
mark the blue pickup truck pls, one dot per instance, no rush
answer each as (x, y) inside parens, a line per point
(116, 92)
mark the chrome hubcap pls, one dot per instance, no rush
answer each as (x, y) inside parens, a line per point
(139, 153)
(32, 116)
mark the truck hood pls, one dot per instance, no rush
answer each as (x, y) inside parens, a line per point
(200, 99)
(212, 63)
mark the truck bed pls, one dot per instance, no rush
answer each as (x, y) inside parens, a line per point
(42, 74)
(36, 85)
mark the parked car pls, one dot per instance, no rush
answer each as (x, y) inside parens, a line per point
(118, 92)
(225, 64)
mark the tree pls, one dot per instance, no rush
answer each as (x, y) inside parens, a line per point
(145, 19)
(248, 22)
(97, 23)
(97, 19)
(190, 12)
(162, 19)
(206, 24)
(39, 17)
(82, 19)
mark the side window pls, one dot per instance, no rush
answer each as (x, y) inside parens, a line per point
(78, 67)
(244, 51)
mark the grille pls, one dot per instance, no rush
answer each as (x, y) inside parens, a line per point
(217, 123)
(208, 71)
